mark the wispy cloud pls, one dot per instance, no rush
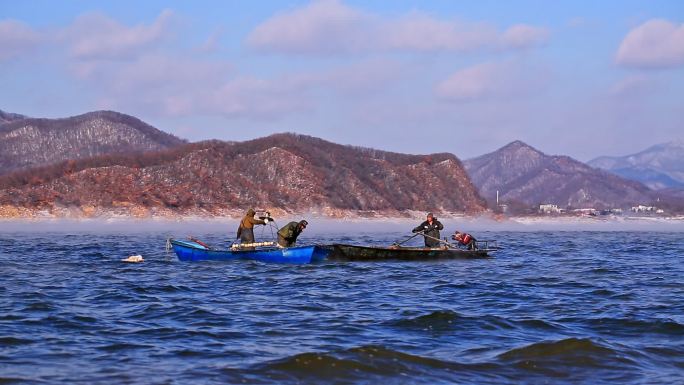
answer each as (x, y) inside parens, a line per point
(16, 38)
(363, 77)
(322, 27)
(128, 69)
(97, 36)
(656, 43)
(422, 32)
(169, 85)
(490, 81)
(257, 98)
(141, 68)
(524, 36)
(634, 86)
(332, 27)
(212, 43)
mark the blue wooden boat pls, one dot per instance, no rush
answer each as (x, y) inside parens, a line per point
(194, 251)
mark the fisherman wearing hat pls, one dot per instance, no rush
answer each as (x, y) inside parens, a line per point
(430, 230)
(287, 235)
(246, 230)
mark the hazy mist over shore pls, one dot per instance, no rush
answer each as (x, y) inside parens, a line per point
(183, 227)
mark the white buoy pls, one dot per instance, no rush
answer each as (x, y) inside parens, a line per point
(134, 259)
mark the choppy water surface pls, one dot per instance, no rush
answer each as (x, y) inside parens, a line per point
(552, 307)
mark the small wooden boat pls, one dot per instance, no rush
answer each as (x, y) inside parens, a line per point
(343, 252)
(194, 250)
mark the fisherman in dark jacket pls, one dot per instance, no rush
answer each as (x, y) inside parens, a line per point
(430, 228)
(246, 230)
(287, 235)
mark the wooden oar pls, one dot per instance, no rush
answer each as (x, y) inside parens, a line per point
(405, 240)
(197, 241)
(437, 239)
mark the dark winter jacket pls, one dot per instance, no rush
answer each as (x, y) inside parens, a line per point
(432, 230)
(287, 235)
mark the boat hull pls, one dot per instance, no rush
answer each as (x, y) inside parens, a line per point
(342, 252)
(192, 251)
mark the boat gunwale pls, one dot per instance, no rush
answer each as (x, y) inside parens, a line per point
(182, 243)
(416, 248)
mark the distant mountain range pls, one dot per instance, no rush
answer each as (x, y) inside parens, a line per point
(659, 167)
(9, 117)
(28, 142)
(526, 175)
(289, 172)
(104, 161)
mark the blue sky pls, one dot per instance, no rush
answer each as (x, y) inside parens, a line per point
(581, 78)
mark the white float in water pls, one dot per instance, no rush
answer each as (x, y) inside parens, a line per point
(134, 259)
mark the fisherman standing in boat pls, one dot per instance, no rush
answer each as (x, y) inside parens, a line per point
(287, 235)
(430, 229)
(246, 230)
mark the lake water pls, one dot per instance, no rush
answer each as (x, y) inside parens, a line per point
(551, 307)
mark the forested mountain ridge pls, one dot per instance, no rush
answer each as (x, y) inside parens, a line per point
(29, 142)
(659, 167)
(526, 175)
(6, 117)
(287, 172)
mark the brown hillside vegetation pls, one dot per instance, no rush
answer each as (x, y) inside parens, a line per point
(290, 172)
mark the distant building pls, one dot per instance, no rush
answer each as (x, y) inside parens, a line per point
(549, 209)
(586, 211)
(644, 209)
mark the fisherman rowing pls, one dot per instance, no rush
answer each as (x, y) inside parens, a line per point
(430, 230)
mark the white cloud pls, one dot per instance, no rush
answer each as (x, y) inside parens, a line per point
(364, 77)
(126, 67)
(490, 81)
(16, 38)
(421, 32)
(166, 84)
(331, 27)
(261, 98)
(634, 85)
(524, 36)
(97, 36)
(656, 43)
(183, 86)
(211, 44)
(322, 27)
(482, 80)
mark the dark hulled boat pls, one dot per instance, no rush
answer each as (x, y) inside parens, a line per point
(344, 252)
